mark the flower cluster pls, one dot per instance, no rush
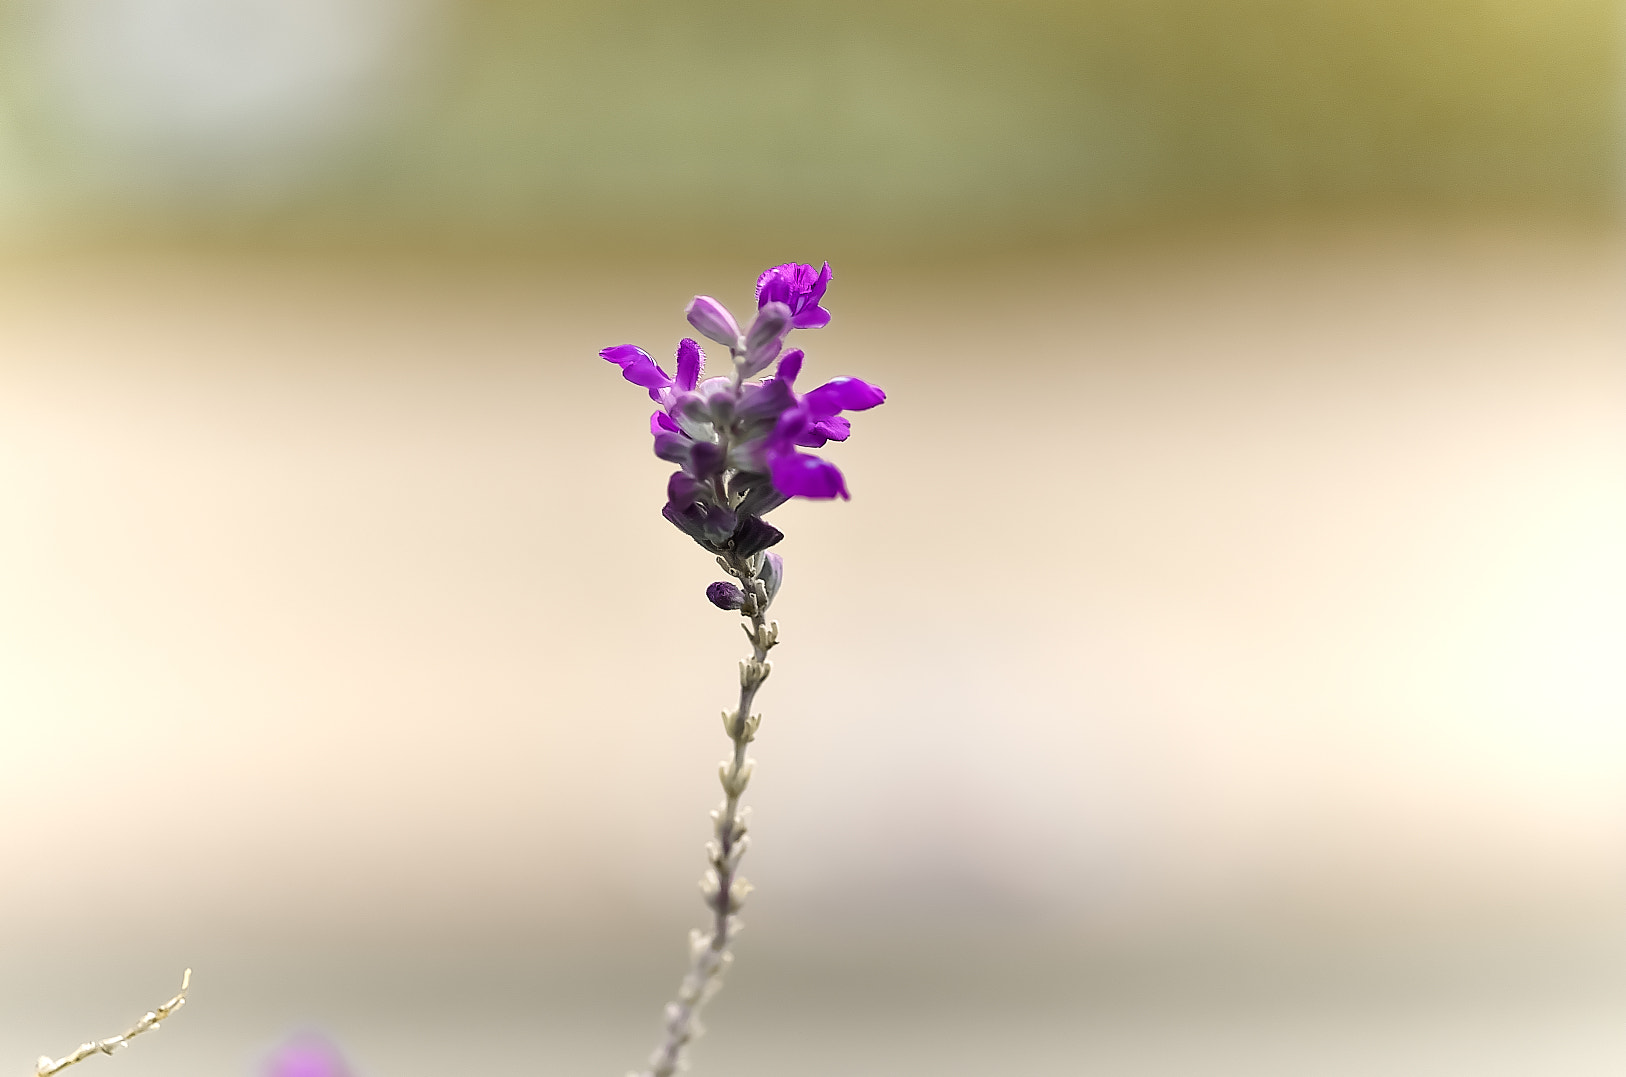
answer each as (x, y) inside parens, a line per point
(739, 443)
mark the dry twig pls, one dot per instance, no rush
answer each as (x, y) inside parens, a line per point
(46, 1068)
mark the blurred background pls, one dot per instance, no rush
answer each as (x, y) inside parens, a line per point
(1220, 667)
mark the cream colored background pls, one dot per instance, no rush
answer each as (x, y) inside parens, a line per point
(1217, 669)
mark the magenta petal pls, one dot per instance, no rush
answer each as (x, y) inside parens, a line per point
(636, 366)
(802, 475)
(820, 283)
(844, 394)
(621, 354)
(766, 278)
(689, 360)
(812, 318)
(643, 371)
(835, 428)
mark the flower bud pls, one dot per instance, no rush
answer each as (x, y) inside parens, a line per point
(714, 321)
(773, 573)
(771, 323)
(725, 595)
(753, 535)
(758, 359)
(765, 338)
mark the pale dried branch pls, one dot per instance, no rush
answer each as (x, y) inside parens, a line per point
(46, 1068)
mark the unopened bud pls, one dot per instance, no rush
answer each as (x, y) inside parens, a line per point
(714, 320)
(765, 338)
(725, 595)
(771, 323)
(773, 574)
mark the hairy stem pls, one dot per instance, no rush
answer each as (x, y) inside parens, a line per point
(722, 887)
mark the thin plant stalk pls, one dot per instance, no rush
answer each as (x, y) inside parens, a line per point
(723, 888)
(148, 1023)
(741, 450)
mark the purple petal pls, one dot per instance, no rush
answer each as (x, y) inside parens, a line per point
(660, 423)
(621, 354)
(714, 321)
(775, 290)
(844, 394)
(765, 402)
(683, 489)
(636, 366)
(834, 428)
(802, 475)
(673, 448)
(767, 277)
(760, 497)
(644, 372)
(705, 459)
(790, 365)
(753, 535)
(816, 293)
(812, 317)
(689, 360)
(641, 370)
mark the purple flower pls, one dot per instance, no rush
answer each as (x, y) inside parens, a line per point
(801, 474)
(739, 445)
(798, 287)
(638, 368)
(307, 1056)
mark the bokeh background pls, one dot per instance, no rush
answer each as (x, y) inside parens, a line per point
(1220, 667)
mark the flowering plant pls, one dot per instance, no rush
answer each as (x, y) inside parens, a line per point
(740, 448)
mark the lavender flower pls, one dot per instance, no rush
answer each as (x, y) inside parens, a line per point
(799, 288)
(739, 448)
(738, 443)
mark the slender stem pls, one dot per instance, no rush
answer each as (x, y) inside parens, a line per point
(148, 1023)
(722, 887)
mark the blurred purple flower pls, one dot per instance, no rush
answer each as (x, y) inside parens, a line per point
(800, 288)
(307, 1056)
